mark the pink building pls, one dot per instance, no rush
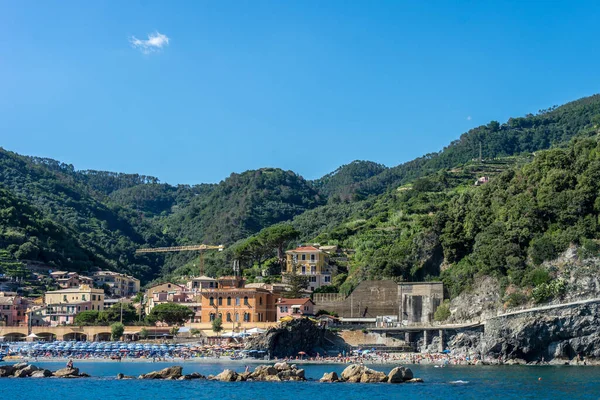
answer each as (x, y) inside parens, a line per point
(12, 310)
(295, 308)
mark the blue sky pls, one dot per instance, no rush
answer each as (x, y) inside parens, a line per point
(300, 85)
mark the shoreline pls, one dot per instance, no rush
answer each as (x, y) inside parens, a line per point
(226, 360)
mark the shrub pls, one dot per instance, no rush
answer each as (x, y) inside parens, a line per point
(547, 291)
(443, 312)
(516, 299)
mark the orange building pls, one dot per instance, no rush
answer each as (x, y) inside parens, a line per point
(237, 305)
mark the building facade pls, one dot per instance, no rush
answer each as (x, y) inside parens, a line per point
(311, 262)
(295, 308)
(236, 305)
(61, 306)
(120, 285)
(13, 310)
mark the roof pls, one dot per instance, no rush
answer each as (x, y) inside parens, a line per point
(305, 248)
(84, 288)
(203, 278)
(7, 300)
(289, 302)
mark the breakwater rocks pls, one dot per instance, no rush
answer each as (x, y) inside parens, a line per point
(283, 371)
(24, 370)
(296, 336)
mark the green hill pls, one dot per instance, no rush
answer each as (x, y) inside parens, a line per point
(423, 219)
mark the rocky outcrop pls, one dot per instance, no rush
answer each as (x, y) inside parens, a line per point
(296, 336)
(359, 373)
(170, 373)
(24, 370)
(330, 377)
(399, 375)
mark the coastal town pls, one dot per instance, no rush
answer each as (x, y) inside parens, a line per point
(241, 308)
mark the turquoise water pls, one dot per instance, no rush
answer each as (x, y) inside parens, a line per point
(508, 382)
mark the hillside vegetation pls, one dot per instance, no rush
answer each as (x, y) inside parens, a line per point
(423, 219)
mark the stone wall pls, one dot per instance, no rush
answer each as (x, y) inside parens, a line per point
(369, 299)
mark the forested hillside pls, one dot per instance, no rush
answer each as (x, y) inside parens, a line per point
(423, 219)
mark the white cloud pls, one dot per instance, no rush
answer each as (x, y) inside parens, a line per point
(156, 41)
(469, 118)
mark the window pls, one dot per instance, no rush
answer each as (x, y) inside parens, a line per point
(211, 301)
(92, 307)
(220, 301)
(212, 317)
(65, 298)
(313, 269)
(260, 301)
(312, 257)
(93, 297)
(229, 317)
(237, 317)
(281, 309)
(327, 279)
(303, 257)
(228, 301)
(303, 270)
(237, 301)
(313, 278)
(246, 301)
(246, 317)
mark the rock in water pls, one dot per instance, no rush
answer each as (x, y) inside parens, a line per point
(399, 375)
(67, 373)
(227, 376)
(6, 370)
(298, 335)
(372, 376)
(42, 373)
(352, 372)
(330, 377)
(173, 372)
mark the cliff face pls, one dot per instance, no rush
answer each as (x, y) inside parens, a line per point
(299, 335)
(555, 334)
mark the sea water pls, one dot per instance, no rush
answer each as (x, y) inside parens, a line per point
(452, 382)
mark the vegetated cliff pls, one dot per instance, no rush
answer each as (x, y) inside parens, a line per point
(293, 337)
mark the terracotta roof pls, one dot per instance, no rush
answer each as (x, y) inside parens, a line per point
(306, 248)
(289, 302)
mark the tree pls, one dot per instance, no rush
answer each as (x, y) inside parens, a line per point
(144, 333)
(116, 330)
(170, 313)
(174, 331)
(86, 318)
(217, 325)
(442, 313)
(195, 332)
(297, 283)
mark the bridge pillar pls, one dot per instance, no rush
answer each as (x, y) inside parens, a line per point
(424, 339)
(407, 337)
(441, 340)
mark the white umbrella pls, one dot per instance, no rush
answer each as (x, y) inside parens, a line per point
(33, 336)
(255, 331)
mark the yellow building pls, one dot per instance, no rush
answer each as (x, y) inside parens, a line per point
(82, 294)
(312, 262)
(120, 285)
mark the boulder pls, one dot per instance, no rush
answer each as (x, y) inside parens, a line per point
(329, 377)
(399, 375)
(415, 380)
(372, 376)
(6, 370)
(195, 375)
(263, 371)
(272, 378)
(42, 373)
(227, 375)
(292, 375)
(24, 370)
(20, 365)
(124, 377)
(170, 373)
(67, 373)
(281, 366)
(353, 372)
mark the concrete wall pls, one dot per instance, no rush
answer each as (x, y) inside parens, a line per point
(373, 297)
